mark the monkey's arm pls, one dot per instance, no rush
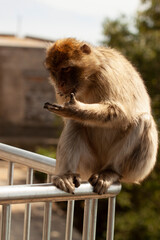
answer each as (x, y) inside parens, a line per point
(97, 114)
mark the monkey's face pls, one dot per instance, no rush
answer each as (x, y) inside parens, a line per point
(66, 78)
(66, 62)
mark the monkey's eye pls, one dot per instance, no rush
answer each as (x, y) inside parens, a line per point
(53, 73)
(66, 69)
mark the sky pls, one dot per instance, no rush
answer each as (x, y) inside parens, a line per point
(54, 19)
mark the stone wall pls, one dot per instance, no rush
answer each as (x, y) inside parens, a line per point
(24, 88)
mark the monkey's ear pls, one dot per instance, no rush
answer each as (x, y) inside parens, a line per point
(85, 49)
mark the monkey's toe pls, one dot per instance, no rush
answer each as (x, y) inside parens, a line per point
(93, 179)
(77, 180)
(63, 183)
(101, 186)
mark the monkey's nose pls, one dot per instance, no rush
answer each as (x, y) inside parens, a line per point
(61, 86)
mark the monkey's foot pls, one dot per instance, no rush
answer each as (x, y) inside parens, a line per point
(67, 182)
(101, 181)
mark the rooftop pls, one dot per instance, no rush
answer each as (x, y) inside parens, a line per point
(28, 41)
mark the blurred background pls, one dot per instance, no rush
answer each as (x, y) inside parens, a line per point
(26, 29)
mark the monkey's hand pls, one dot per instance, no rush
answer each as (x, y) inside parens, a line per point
(66, 110)
(67, 182)
(102, 181)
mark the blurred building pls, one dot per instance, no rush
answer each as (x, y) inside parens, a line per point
(24, 88)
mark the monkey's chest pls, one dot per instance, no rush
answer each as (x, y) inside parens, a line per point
(101, 139)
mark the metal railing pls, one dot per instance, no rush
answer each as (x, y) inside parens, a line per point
(28, 193)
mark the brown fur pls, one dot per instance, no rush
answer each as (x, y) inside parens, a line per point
(109, 131)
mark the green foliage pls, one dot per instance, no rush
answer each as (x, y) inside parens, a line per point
(138, 207)
(47, 151)
(141, 47)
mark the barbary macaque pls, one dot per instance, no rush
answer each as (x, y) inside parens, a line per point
(109, 133)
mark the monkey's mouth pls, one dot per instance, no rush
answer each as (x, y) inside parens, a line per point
(67, 92)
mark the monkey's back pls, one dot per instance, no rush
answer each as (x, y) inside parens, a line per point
(125, 83)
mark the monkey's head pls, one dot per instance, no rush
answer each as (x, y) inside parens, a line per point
(70, 63)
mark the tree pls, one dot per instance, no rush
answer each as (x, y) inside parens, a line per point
(141, 47)
(138, 207)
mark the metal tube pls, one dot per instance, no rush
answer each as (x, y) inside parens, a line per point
(87, 219)
(10, 173)
(48, 192)
(47, 221)
(111, 218)
(47, 217)
(69, 224)
(6, 209)
(27, 215)
(10, 182)
(93, 219)
(5, 228)
(29, 159)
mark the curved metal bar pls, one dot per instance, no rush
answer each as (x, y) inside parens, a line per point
(47, 192)
(27, 158)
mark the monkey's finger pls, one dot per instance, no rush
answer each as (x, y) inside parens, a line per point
(72, 98)
(53, 107)
(47, 104)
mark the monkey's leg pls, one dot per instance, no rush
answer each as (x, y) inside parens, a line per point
(98, 114)
(72, 149)
(102, 180)
(141, 157)
(132, 158)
